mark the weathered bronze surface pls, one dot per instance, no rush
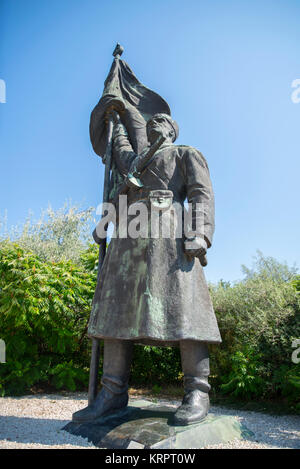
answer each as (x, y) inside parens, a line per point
(146, 425)
(151, 288)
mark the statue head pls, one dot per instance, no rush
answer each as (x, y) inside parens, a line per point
(162, 124)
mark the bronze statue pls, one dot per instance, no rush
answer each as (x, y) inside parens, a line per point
(151, 289)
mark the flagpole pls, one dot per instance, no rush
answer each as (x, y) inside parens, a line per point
(95, 352)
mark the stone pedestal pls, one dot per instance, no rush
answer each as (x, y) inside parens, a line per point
(147, 425)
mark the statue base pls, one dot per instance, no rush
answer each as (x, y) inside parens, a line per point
(144, 424)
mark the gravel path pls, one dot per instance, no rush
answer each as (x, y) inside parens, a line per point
(36, 422)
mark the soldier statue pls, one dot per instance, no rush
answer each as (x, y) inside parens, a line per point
(151, 289)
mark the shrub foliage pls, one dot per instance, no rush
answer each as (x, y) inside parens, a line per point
(259, 319)
(45, 301)
(44, 309)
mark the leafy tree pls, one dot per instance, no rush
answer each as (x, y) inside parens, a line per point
(57, 235)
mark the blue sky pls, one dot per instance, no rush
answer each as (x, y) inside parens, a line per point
(226, 70)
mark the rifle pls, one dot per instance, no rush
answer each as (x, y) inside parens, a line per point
(133, 179)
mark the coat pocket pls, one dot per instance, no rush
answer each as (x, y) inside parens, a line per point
(161, 199)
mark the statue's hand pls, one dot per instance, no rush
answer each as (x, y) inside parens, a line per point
(195, 247)
(111, 112)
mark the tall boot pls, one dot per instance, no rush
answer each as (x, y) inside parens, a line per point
(114, 393)
(195, 366)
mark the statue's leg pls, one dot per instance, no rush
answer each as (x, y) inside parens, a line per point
(195, 366)
(114, 393)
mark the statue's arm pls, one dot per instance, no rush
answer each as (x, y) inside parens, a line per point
(123, 154)
(200, 196)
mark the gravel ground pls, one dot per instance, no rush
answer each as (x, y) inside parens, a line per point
(36, 422)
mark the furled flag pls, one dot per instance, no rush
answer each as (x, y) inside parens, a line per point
(135, 103)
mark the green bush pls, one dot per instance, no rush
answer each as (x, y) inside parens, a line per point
(287, 381)
(47, 281)
(156, 365)
(244, 380)
(44, 311)
(258, 319)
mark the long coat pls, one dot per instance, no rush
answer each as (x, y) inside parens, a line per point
(149, 290)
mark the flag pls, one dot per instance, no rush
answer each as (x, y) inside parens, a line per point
(135, 103)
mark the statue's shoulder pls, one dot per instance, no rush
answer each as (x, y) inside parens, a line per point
(185, 151)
